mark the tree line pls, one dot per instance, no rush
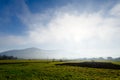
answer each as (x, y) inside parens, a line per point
(101, 58)
(5, 57)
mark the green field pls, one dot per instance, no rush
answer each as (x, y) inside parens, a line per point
(48, 70)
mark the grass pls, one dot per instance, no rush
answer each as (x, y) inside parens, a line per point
(48, 70)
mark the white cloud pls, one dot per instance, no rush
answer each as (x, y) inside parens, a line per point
(116, 10)
(74, 29)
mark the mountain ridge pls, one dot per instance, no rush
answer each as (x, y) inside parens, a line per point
(30, 53)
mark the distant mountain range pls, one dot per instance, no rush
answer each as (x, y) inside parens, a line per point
(33, 53)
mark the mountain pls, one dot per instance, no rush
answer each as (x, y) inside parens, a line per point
(33, 53)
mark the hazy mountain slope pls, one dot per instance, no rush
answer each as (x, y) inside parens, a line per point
(31, 53)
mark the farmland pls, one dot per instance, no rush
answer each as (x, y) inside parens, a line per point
(53, 70)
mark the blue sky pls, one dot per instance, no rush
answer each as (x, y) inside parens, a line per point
(86, 27)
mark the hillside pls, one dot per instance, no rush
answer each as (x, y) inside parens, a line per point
(31, 53)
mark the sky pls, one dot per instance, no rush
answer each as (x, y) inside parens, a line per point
(84, 28)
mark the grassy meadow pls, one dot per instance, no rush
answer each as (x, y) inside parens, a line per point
(48, 70)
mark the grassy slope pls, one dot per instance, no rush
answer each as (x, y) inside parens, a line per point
(47, 70)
